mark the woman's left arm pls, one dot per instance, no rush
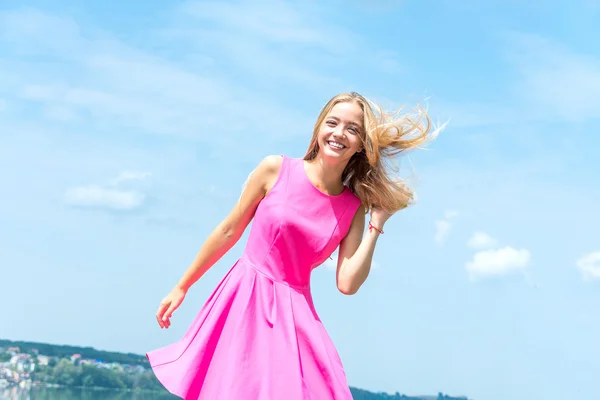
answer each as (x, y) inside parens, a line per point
(356, 251)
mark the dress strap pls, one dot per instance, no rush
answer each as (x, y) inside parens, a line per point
(285, 166)
(284, 173)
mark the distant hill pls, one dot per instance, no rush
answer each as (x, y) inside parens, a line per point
(66, 351)
(55, 350)
(360, 394)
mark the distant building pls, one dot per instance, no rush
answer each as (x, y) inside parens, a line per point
(43, 360)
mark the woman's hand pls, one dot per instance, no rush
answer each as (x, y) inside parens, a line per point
(379, 217)
(169, 305)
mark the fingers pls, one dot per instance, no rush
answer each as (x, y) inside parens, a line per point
(167, 316)
(166, 309)
(164, 313)
(160, 314)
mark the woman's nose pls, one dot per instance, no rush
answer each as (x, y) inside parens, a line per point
(338, 131)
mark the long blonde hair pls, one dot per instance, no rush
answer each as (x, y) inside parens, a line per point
(369, 173)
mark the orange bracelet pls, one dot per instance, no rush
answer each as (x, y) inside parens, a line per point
(371, 226)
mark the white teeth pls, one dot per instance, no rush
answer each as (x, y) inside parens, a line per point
(336, 145)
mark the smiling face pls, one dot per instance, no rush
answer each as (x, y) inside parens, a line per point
(340, 134)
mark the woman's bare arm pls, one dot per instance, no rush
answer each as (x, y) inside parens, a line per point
(355, 255)
(229, 231)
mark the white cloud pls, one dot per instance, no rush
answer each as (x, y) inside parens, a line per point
(89, 77)
(97, 196)
(106, 82)
(274, 22)
(442, 229)
(481, 240)
(443, 226)
(265, 37)
(589, 265)
(130, 176)
(449, 214)
(488, 263)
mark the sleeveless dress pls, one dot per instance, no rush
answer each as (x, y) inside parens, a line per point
(258, 336)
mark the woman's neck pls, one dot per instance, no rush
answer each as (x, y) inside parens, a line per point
(328, 174)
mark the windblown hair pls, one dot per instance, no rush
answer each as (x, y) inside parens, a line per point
(370, 172)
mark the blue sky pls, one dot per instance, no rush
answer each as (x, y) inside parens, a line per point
(127, 130)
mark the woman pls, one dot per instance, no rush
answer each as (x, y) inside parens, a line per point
(258, 336)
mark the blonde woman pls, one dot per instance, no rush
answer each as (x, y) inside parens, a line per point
(258, 336)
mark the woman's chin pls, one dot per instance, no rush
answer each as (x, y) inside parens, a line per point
(334, 155)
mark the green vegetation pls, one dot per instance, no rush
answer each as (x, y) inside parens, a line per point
(66, 373)
(63, 351)
(128, 374)
(90, 394)
(359, 394)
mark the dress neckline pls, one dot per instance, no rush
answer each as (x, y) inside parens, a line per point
(302, 167)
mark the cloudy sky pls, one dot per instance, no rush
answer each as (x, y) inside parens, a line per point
(127, 131)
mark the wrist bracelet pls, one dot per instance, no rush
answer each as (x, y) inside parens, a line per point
(371, 226)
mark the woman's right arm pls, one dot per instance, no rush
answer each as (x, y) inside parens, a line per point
(225, 235)
(229, 231)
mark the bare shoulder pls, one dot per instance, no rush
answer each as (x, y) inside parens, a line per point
(266, 172)
(271, 163)
(269, 166)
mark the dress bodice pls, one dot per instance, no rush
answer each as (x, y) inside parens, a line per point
(297, 227)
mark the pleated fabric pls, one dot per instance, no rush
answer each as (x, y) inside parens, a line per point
(258, 336)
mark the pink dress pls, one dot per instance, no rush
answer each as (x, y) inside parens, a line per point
(258, 336)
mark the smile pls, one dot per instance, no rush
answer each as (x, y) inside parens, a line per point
(335, 145)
